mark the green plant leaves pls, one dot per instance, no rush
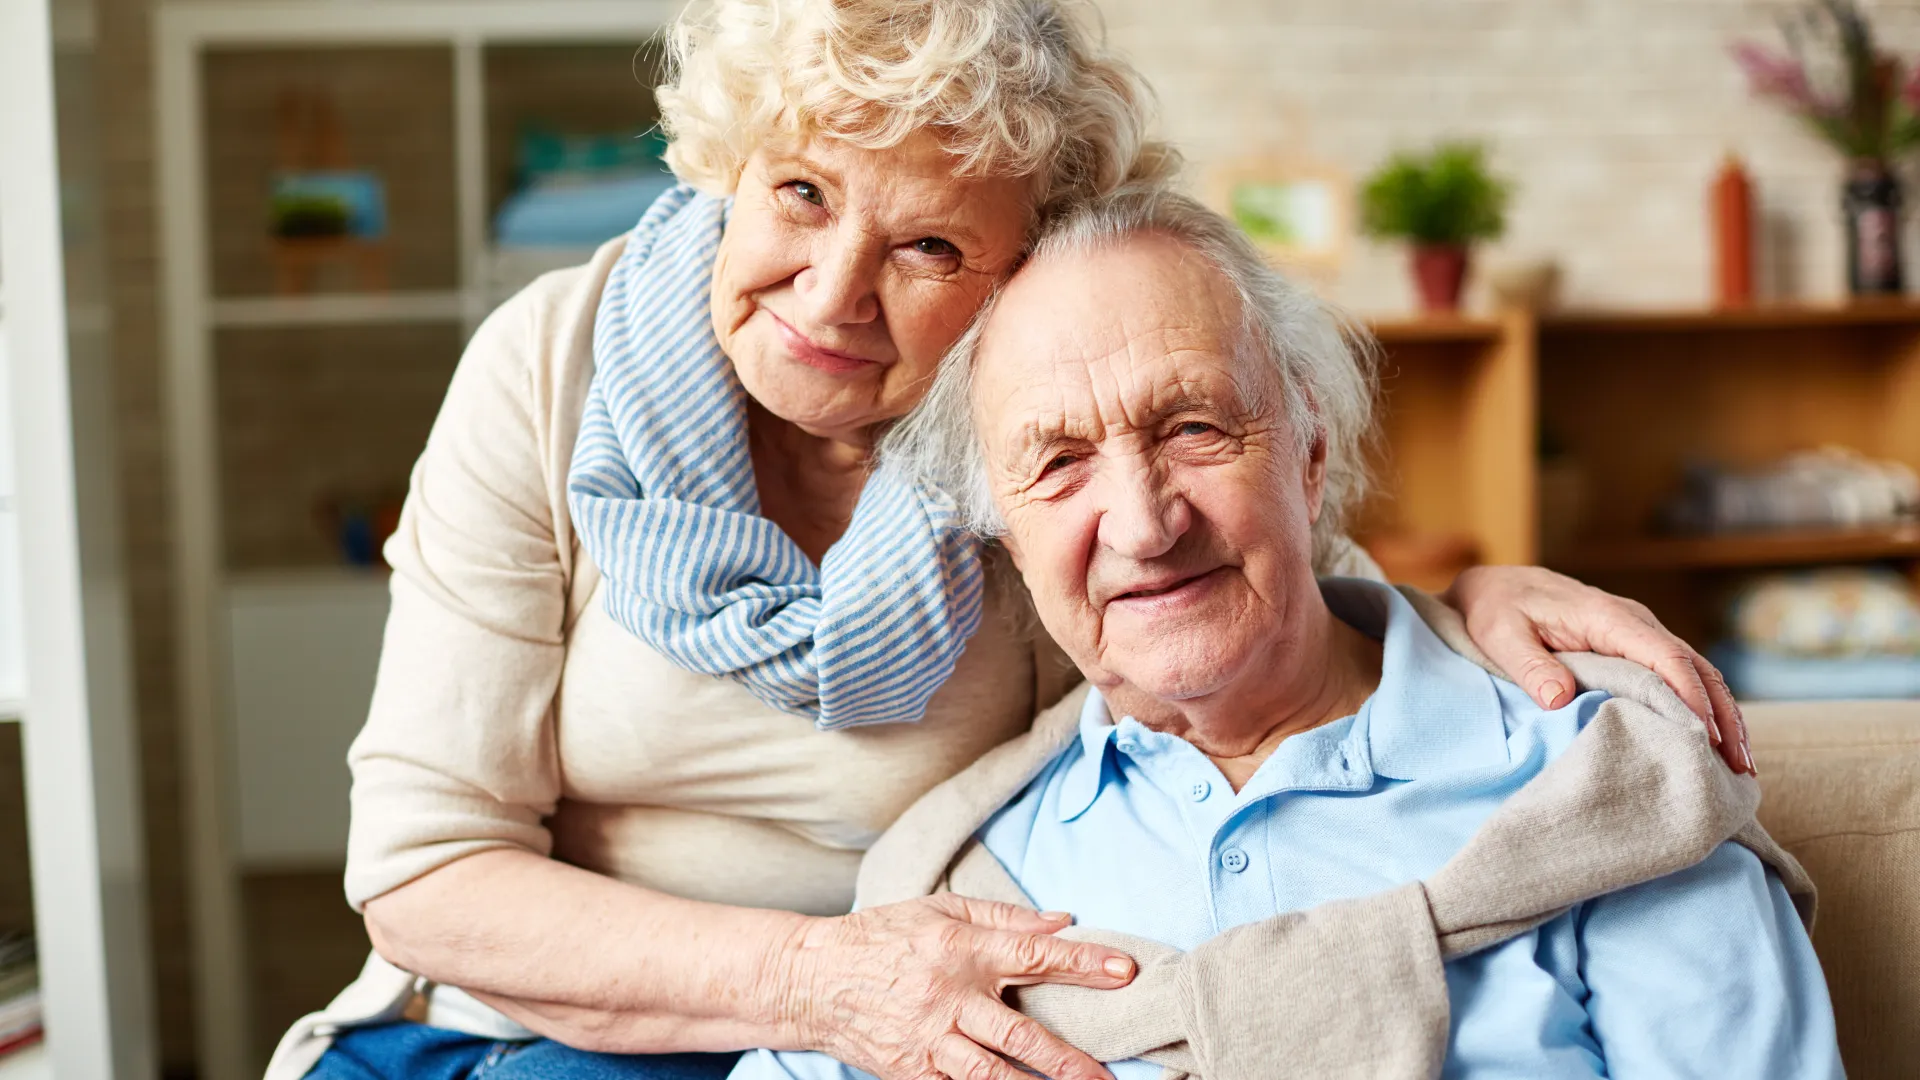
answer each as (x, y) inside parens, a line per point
(1446, 196)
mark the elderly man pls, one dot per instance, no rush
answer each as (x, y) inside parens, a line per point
(1163, 433)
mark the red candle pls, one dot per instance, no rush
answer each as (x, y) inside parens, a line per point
(1733, 234)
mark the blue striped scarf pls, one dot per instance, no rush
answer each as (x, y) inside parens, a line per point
(663, 498)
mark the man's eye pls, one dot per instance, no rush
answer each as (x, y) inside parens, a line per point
(933, 245)
(1195, 427)
(1059, 462)
(809, 192)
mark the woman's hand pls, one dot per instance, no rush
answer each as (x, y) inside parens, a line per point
(1516, 614)
(912, 991)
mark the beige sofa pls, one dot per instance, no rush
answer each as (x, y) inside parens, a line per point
(1841, 791)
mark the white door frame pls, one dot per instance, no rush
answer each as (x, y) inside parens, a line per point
(89, 887)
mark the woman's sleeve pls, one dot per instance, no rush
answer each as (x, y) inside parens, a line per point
(458, 754)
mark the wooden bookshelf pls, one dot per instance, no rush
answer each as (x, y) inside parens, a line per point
(1800, 547)
(1631, 399)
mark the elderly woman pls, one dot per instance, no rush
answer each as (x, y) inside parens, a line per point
(1149, 419)
(664, 656)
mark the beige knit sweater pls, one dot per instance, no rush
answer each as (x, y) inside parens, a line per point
(1639, 794)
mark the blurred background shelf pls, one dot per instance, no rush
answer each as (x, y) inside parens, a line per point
(1797, 547)
(1562, 436)
(302, 375)
(340, 309)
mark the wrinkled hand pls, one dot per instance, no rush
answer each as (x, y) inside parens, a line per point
(912, 991)
(1517, 614)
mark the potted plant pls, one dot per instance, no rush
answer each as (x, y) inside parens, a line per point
(1442, 202)
(1835, 79)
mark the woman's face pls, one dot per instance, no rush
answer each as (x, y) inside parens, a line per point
(846, 273)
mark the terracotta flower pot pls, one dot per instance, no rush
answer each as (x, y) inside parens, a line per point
(1440, 272)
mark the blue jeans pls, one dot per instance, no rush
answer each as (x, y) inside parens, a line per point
(416, 1052)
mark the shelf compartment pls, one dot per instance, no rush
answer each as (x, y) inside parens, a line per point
(393, 110)
(566, 88)
(1798, 547)
(1454, 456)
(316, 418)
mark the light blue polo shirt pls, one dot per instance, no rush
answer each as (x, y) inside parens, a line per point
(1707, 972)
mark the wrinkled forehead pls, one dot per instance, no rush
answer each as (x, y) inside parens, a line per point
(1089, 344)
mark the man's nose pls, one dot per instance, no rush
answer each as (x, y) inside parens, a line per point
(840, 286)
(1144, 516)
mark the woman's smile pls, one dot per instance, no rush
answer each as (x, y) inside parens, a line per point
(808, 352)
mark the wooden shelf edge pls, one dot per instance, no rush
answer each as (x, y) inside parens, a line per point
(341, 309)
(1800, 547)
(1434, 329)
(1774, 316)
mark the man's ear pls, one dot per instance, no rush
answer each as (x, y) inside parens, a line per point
(1012, 547)
(1313, 482)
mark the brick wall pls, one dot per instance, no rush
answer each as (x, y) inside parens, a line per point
(1611, 115)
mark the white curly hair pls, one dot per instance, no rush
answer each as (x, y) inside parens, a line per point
(1020, 88)
(1325, 364)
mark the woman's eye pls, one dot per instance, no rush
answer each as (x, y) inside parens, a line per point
(933, 245)
(810, 192)
(1195, 427)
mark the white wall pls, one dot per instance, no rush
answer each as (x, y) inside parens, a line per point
(1612, 115)
(12, 665)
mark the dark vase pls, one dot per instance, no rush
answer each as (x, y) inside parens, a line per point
(1439, 273)
(1871, 201)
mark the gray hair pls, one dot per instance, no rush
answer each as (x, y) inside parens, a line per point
(1325, 365)
(1018, 88)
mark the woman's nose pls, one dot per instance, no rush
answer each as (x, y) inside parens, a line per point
(840, 286)
(1143, 517)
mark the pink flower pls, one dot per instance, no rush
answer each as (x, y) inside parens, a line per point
(1773, 75)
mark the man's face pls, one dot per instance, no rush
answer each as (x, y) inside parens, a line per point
(1155, 497)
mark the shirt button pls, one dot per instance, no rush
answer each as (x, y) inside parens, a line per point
(1234, 860)
(1200, 790)
(1128, 746)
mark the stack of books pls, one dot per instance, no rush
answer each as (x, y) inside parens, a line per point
(19, 993)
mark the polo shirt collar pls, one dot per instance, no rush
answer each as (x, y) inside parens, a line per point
(1434, 713)
(1089, 771)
